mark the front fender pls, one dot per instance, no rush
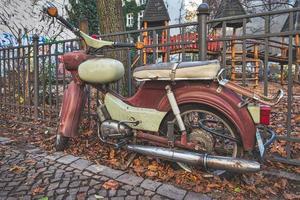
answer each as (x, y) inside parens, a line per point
(225, 102)
(72, 106)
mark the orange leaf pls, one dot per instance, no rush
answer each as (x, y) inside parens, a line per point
(213, 185)
(37, 190)
(291, 196)
(139, 169)
(17, 169)
(151, 173)
(297, 119)
(111, 184)
(153, 167)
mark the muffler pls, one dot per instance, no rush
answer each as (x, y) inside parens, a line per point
(196, 159)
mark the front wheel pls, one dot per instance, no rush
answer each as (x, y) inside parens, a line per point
(211, 131)
(61, 142)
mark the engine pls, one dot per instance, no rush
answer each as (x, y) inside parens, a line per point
(111, 128)
(115, 129)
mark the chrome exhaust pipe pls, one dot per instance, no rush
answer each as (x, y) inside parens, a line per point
(207, 161)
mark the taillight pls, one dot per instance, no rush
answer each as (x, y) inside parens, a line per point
(265, 113)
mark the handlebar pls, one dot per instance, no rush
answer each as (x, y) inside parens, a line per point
(120, 44)
(51, 10)
(68, 25)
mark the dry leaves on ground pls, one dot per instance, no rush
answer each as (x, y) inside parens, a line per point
(37, 190)
(111, 185)
(17, 169)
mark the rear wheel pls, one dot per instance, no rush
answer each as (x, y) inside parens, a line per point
(212, 132)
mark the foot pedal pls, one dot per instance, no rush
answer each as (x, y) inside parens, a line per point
(121, 144)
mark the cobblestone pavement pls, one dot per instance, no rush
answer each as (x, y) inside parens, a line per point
(29, 173)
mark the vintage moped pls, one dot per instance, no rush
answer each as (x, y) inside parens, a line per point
(185, 112)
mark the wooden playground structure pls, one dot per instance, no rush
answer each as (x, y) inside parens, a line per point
(255, 53)
(250, 53)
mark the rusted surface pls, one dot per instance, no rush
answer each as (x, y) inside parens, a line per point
(73, 59)
(155, 139)
(200, 92)
(225, 102)
(72, 106)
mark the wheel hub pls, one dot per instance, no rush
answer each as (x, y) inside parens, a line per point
(204, 141)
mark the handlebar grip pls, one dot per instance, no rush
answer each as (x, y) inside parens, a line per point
(120, 44)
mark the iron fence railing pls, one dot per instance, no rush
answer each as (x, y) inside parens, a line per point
(32, 80)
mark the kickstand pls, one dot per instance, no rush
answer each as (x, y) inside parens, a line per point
(130, 159)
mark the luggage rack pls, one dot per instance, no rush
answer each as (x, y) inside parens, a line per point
(250, 95)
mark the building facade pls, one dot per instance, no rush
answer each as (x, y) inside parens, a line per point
(134, 12)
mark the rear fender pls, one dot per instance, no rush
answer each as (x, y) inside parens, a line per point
(72, 106)
(225, 102)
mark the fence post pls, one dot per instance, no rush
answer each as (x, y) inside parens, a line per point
(35, 40)
(202, 30)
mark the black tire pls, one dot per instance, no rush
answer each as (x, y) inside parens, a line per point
(61, 142)
(184, 109)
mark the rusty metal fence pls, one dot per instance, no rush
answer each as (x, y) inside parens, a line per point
(31, 84)
(32, 81)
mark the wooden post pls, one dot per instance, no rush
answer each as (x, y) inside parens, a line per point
(84, 26)
(283, 55)
(233, 53)
(296, 78)
(145, 39)
(164, 39)
(281, 75)
(256, 57)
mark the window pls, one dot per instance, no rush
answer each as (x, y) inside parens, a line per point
(140, 18)
(129, 20)
(140, 2)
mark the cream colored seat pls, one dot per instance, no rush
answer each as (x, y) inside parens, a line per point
(199, 70)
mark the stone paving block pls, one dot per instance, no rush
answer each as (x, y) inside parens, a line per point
(4, 140)
(106, 171)
(171, 191)
(102, 193)
(81, 164)
(143, 198)
(112, 192)
(150, 185)
(87, 174)
(158, 197)
(68, 159)
(121, 193)
(130, 179)
(196, 196)
(139, 190)
(34, 151)
(149, 193)
(117, 198)
(54, 156)
(74, 184)
(53, 186)
(130, 197)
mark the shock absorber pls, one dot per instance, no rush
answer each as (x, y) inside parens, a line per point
(176, 112)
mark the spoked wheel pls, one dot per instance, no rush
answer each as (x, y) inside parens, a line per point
(61, 142)
(210, 130)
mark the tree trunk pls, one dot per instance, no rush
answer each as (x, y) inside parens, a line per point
(110, 16)
(111, 20)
